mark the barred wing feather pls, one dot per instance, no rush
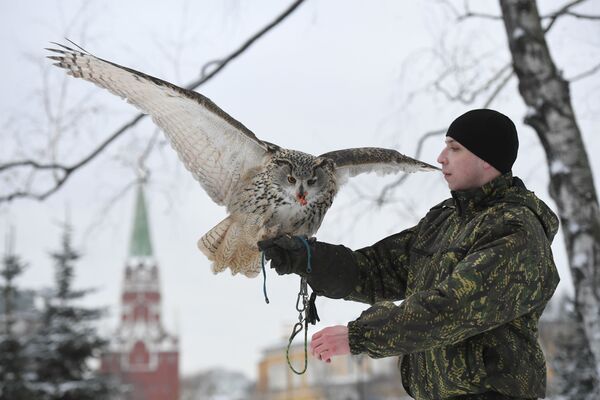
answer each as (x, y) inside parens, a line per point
(356, 161)
(213, 146)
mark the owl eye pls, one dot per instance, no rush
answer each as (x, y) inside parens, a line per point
(311, 181)
(291, 179)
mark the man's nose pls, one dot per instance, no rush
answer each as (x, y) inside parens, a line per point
(442, 157)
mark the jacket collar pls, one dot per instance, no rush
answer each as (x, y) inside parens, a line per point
(472, 200)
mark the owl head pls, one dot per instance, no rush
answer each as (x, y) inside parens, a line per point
(303, 178)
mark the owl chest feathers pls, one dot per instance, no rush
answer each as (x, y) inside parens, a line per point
(271, 207)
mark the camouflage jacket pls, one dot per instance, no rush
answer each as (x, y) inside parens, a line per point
(475, 275)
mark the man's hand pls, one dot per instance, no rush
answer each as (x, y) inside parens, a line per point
(329, 342)
(333, 272)
(288, 254)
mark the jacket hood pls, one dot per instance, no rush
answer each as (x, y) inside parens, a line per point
(506, 189)
(517, 193)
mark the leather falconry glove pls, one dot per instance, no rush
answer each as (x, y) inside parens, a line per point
(334, 272)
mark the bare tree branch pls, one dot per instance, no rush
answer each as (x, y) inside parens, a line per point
(468, 97)
(223, 63)
(467, 13)
(559, 13)
(563, 11)
(582, 16)
(498, 89)
(61, 168)
(585, 74)
(143, 169)
(67, 170)
(471, 14)
(450, 6)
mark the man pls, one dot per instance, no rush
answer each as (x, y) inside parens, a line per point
(475, 275)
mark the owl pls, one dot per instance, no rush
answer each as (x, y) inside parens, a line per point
(268, 190)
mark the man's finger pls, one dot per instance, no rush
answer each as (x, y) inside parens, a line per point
(288, 242)
(317, 341)
(271, 253)
(265, 244)
(315, 348)
(326, 355)
(320, 354)
(315, 354)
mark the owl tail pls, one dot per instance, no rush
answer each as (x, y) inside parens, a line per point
(224, 246)
(209, 244)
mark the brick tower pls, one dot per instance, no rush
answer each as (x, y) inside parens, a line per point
(142, 355)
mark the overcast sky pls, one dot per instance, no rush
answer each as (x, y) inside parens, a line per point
(336, 74)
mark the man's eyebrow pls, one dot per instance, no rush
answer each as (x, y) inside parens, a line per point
(449, 140)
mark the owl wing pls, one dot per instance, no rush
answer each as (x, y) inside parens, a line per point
(352, 162)
(214, 147)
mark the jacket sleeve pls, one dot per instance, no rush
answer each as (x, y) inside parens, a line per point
(382, 269)
(508, 273)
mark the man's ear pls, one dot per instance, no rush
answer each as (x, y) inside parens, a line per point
(486, 165)
(490, 170)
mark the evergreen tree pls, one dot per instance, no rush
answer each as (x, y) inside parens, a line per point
(67, 340)
(13, 363)
(573, 362)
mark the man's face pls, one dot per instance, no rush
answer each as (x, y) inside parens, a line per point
(461, 168)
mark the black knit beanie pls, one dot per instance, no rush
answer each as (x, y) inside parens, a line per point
(489, 135)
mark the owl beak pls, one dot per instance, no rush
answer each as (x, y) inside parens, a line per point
(301, 197)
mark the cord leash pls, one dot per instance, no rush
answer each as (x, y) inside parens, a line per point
(262, 259)
(301, 324)
(307, 310)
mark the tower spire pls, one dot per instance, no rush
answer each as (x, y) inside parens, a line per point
(142, 354)
(140, 244)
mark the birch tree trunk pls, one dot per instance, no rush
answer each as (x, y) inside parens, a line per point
(551, 115)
